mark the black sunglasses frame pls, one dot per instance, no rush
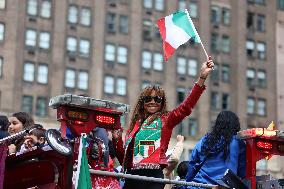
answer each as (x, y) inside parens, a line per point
(157, 99)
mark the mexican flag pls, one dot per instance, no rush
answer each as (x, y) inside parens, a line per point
(176, 29)
(83, 179)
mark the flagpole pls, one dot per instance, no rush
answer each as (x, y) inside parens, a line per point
(197, 34)
(150, 179)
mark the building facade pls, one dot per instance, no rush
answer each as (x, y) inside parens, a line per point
(111, 49)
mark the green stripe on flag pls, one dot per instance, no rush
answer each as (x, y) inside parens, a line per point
(84, 180)
(181, 20)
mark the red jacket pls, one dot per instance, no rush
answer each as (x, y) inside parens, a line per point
(169, 121)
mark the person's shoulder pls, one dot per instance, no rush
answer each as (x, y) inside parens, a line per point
(237, 141)
(202, 139)
(236, 138)
(199, 144)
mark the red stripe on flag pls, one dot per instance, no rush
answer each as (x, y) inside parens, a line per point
(168, 49)
(162, 28)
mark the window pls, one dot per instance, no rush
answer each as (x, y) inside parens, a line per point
(121, 86)
(145, 84)
(158, 62)
(180, 95)
(181, 5)
(260, 23)
(110, 22)
(261, 50)
(71, 45)
(193, 10)
(261, 2)
(192, 67)
(2, 31)
(85, 18)
(250, 20)
(27, 104)
(41, 106)
(214, 42)
(45, 11)
(225, 44)
(261, 78)
(31, 38)
(2, 4)
(70, 78)
(250, 77)
(159, 5)
(225, 73)
(214, 101)
(181, 66)
(29, 72)
(280, 4)
(44, 40)
(109, 84)
(225, 101)
(215, 15)
(250, 105)
(261, 110)
(122, 55)
(42, 74)
(123, 24)
(148, 4)
(110, 52)
(250, 48)
(84, 48)
(146, 60)
(73, 14)
(1, 67)
(215, 75)
(147, 30)
(193, 128)
(226, 16)
(83, 78)
(32, 7)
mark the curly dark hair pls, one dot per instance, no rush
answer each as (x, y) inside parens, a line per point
(139, 113)
(218, 139)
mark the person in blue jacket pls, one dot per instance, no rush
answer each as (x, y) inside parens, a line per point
(218, 151)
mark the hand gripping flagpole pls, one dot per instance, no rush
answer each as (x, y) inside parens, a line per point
(189, 19)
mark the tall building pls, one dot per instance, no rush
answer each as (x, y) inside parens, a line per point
(111, 49)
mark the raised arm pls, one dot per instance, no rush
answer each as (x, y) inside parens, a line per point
(185, 108)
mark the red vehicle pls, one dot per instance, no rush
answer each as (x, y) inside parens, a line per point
(54, 169)
(262, 143)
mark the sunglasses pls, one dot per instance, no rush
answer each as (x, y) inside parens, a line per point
(157, 99)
